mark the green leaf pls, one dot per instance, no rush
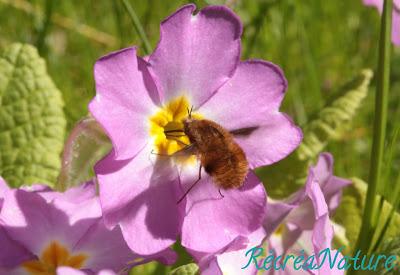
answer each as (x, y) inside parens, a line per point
(285, 177)
(32, 122)
(390, 247)
(148, 268)
(332, 120)
(189, 269)
(86, 144)
(350, 211)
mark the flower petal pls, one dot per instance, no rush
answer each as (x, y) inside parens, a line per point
(302, 214)
(232, 262)
(248, 105)
(270, 142)
(125, 98)
(3, 189)
(66, 270)
(27, 219)
(395, 17)
(141, 194)
(75, 194)
(116, 255)
(12, 253)
(196, 54)
(276, 213)
(322, 235)
(212, 221)
(257, 88)
(331, 186)
(33, 222)
(396, 24)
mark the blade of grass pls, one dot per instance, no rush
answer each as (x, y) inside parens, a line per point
(137, 25)
(387, 187)
(66, 23)
(310, 63)
(380, 121)
(383, 188)
(258, 23)
(288, 10)
(395, 206)
(40, 43)
(118, 22)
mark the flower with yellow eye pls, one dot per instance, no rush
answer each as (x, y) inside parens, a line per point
(141, 104)
(42, 231)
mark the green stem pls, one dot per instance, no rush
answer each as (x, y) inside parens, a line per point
(258, 23)
(138, 26)
(389, 218)
(380, 121)
(44, 28)
(118, 22)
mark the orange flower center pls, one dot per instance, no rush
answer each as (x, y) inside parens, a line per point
(53, 256)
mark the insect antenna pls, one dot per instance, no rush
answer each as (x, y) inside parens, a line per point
(190, 111)
(188, 149)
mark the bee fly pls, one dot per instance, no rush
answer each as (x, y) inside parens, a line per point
(220, 156)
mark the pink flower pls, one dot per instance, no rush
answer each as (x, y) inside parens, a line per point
(395, 17)
(42, 230)
(64, 270)
(196, 63)
(232, 258)
(302, 223)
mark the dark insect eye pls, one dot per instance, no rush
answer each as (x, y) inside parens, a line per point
(208, 168)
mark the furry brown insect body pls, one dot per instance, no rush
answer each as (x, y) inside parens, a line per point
(222, 158)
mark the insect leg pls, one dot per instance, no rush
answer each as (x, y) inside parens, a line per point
(187, 149)
(172, 136)
(173, 131)
(180, 141)
(219, 190)
(191, 187)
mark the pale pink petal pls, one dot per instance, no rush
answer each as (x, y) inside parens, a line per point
(212, 221)
(232, 262)
(140, 195)
(3, 189)
(12, 253)
(34, 223)
(249, 103)
(271, 141)
(125, 98)
(196, 53)
(66, 270)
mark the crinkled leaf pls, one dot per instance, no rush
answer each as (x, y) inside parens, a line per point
(333, 118)
(283, 178)
(86, 144)
(148, 269)
(189, 269)
(32, 122)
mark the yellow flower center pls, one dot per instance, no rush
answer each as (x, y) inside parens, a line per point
(53, 256)
(166, 126)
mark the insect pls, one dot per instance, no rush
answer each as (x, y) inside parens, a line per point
(220, 156)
